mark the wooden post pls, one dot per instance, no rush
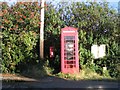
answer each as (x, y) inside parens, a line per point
(42, 31)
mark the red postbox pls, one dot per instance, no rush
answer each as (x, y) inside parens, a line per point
(51, 52)
(69, 50)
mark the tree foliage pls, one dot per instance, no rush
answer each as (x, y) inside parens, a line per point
(97, 24)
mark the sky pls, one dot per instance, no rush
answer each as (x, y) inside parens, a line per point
(112, 3)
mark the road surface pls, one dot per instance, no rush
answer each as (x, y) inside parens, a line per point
(59, 83)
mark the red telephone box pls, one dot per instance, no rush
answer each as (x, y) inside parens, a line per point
(69, 50)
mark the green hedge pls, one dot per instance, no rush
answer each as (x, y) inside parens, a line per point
(20, 30)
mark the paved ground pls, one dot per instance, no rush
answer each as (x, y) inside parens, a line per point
(55, 82)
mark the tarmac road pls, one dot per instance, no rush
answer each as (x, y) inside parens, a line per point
(58, 84)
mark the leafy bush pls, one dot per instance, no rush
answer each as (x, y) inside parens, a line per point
(20, 26)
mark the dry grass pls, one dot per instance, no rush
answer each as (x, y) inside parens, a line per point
(85, 74)
(15, 77)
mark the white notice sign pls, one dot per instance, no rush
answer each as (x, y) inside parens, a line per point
(101, 51)
(94, 51)
(98, 51)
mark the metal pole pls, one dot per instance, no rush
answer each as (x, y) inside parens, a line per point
(42, 31)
